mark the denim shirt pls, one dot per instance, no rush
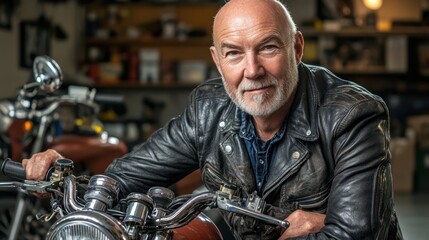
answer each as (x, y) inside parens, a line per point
(260, 152)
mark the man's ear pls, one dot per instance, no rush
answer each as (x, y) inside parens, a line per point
(299, 47)
(215, 58)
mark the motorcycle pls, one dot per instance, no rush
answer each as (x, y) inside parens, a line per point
(157, 214)
(34, 122)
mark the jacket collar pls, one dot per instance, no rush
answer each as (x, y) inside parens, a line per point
(302, 122)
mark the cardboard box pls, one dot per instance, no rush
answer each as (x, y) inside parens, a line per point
(403, 162)
(420, 125)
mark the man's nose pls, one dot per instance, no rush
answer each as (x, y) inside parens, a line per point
(253, 68)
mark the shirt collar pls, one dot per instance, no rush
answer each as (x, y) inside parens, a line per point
(247, 129)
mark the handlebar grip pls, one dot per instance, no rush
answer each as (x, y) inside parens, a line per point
(13, 169)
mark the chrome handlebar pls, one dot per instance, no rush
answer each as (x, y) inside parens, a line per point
(216, 199)
(25, 109)
(104, 188)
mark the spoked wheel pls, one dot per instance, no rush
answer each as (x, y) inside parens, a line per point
(30, 228)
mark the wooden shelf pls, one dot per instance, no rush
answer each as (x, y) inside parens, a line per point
(203, 41)
(139, 86)
(364, 32)
(371, 57)
(130, 120)
(365, 70)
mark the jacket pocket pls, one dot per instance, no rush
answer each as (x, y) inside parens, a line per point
(214, 179)
(316, 202)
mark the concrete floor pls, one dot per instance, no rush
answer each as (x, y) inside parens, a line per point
(413, 215)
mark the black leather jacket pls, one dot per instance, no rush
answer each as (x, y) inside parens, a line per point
(334, 158)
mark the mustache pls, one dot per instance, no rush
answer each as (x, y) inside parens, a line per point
(248, 85)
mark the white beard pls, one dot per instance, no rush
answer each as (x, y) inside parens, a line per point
(264, 104)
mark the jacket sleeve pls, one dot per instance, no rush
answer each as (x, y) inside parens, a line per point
(360, 205)
(166, 157)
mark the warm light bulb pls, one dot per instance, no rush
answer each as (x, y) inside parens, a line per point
(373, 4)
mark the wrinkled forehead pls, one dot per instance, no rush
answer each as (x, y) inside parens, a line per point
(239, 15)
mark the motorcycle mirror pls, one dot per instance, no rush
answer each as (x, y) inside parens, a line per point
(47, 73)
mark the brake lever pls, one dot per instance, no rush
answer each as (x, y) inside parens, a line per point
(30, 185)
(231, 206)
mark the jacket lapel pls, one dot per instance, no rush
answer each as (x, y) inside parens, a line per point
(288, 159)
(234, 151)
(301, 127)
(291, 152)
(239, 162)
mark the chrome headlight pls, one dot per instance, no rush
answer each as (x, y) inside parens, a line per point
(87, 225)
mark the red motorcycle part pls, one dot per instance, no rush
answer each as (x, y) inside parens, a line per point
(91, 151)
(16, 135)
(96, 155)
(201, 227)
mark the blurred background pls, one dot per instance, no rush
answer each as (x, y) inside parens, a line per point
(149, 54)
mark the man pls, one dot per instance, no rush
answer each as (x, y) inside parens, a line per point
(315, 147)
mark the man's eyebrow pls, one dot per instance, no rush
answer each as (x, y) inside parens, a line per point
(270, 38)
(228, 45)
(225, 45)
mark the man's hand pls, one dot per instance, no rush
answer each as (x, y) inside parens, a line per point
(303, 223)
(37, 166)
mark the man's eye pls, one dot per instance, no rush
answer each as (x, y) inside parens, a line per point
(269, 47)
(231, 54)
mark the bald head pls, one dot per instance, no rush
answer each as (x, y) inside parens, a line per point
(244, 14)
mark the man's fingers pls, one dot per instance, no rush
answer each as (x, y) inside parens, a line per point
(28, 169)
(34, 171)
(37, 166)
(24, 163)
(303, 223)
